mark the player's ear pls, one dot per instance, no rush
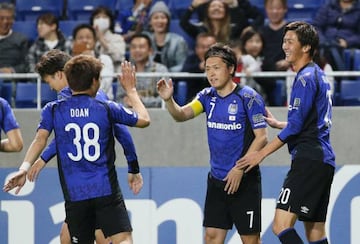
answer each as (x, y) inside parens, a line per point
(306, 48)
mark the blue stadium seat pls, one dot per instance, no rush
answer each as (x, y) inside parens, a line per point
(350, 93)
(81, 10)
(123, 5)
(6, 91)
(356, 65)
(176, 28)
(348, 58)
(67, 26)
(279, 93)
(28, 28)
(25, 95)
(115, 86)
(47, 94)
(181, 92)
(178, 7)
(31, 9)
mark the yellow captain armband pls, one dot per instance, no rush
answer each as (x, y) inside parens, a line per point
(196, 107)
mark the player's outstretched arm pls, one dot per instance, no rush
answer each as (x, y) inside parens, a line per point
(128, 82)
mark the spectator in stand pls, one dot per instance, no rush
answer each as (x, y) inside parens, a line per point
(272, 32)
(169, 48)
(217, 20)
(13, 45)
(195, 63)
(141, 56)
(253, 44)
(50, 37)
(253, 15)
(108, 42)
(134, 20)
(84, 40)
(337, 23)
(246, 64)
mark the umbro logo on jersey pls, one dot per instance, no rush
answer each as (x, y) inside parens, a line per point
(304, 209)
(75, 239)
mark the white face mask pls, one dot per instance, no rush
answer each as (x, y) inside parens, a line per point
(102, 23)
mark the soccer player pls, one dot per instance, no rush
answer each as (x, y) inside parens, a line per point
(51, 69)
(235, 127)
(306, 189)
(83, 127)
(13, 141)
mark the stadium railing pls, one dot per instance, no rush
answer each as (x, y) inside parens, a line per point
(181, 75)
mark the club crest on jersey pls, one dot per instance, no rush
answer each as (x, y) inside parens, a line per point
(233, 108)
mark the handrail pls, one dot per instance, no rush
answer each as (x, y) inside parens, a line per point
(284, 74)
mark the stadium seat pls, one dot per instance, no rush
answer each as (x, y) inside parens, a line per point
(81, 10)
(28, 28)
(26, 95)
(178, 7)
(6, 91)
(47, 94)
(31, 9)
(121, 5)
(115, 85)
(279, 93)
(181, 92)
(350, 93)
(176, 28)
(67, 26)
(348, 58)
(356, 65)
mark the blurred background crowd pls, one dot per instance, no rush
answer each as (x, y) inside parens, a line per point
(173, 36)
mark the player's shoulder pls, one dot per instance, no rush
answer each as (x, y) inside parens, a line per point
(246, 92)
(206, 92)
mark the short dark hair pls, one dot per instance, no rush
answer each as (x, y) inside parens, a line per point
(306, 34)
(52, 62)
(83, 26)
(81, 70)
(225, 53)
(142, 35)
(9, 7)
(49, 19)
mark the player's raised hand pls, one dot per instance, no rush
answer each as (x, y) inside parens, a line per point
(135, 182)
(165, 89)
(127, 77)
(18, 180)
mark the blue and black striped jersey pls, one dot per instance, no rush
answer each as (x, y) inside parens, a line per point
(230, 124)
(84, 138)
(309, 118)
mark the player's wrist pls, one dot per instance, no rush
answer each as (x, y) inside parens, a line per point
(25, 166)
